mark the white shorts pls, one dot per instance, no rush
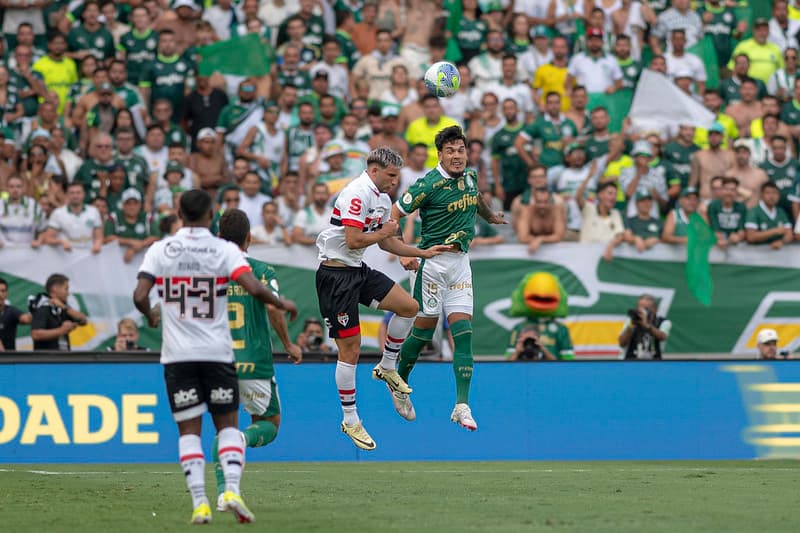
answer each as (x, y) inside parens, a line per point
(443, 283)
(416, 58)
(260, 396)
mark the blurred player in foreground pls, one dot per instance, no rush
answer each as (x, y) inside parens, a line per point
(252, 346)
(448, 200)
(361, 218)
(192, 270)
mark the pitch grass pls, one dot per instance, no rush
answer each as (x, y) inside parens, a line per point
(751, 496)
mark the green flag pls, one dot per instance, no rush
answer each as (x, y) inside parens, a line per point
(239, 56)
(705, 50)
(701, 239)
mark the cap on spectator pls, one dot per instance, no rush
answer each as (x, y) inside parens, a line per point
(760, 21)
(594, 32)
(688, 190)
(539, 31)
(716, 128)
(683, 73)
(131, 194)
(174, 166)
(185, 3)
(389, 111)
(571, 147)
(321, 74)
(741, 143)
(105, 87)
(767, 335)
(643, 195)
(39, 132)
(332, 149)
(206, 133)
(642, 148)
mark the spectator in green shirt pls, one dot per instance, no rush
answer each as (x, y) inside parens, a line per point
(642, 230)
(132, 228)
(727, 216)
(767, 223)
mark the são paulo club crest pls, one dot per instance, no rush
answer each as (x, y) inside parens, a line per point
(343, 319)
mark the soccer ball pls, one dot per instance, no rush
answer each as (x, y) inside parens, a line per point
(443, 79)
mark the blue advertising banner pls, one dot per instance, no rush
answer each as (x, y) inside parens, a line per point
(586, 410)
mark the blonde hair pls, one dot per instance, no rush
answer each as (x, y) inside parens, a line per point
(127, 323)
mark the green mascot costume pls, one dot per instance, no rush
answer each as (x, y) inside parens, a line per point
(540, 299)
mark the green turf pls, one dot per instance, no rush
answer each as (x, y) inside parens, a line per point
(751, 496)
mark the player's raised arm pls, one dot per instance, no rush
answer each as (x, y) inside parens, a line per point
(394, 245)
(492, 217)
(355, 237)
(249, 282)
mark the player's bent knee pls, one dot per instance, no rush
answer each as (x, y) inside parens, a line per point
(408, 309)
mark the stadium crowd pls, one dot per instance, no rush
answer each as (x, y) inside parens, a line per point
(108, 115)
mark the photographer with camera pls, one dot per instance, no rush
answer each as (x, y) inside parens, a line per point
(645, 332)
(540, 339)
(312, 338)
(127, 339)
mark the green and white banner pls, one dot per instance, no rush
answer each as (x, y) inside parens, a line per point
(754, 287)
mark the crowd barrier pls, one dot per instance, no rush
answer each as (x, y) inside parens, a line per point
(586, 410)
(754, 288)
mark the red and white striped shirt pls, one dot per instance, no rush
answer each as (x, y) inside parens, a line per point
(191, 271)
(360, 205)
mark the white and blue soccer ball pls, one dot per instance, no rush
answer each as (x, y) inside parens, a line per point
(442, 79)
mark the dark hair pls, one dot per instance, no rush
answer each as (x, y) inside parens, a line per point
(537, 167)
(195, 204)
(778, 137)
(166, 31)
(417, 145)
(155, 127)
(428, 96)
(304, 104)
(327, 97)
(679, 30)
(176, 144)
(53, 280)
(579, 88)
(234, 226)
(52, 36)
(342, 15)
(437, 41)
(599, 108)
(3, 282)
(328, 38)
(623, 37)
(728, 179)
(23, 25)
(475, 141)
(449, 135)
(382, 30)
(75, 184)
(769, 185)
(166, 223)
(605, 185)
(509, 56)
(713, 91)
(552, 93)
(292, 19)
(750, 81)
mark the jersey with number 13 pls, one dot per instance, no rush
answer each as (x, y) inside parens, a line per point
(191, 271)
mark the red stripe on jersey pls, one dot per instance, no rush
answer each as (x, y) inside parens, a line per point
(392, 339)
(190, 456)
(350, 332)
(368, 220)
(336, 212)
(239, 271)
(180, 279)
(352, 223)
(159, 281)
(230, 449)
(224, 279)
(348, 391)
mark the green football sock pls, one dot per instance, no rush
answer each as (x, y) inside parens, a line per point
(218, 473)
(411, 349)
(260, 433)
(462, 358)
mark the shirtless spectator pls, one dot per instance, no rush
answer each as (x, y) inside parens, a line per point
(376, 68)
(421, 16)
(542, 218)
(208, 163)
(182, 20)
(747, 108)
(750, 177)
(713, 161)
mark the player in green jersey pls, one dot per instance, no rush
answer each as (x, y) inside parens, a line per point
(252, 346)
(448, 200)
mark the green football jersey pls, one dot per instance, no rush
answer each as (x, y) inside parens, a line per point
(137, 170)
(299, 140)
(723, 22)
(30, 104)
(448, 207)
(143, 227)
(784, 176)
(760, 220)
(726, 220)
(631, 70)
(471, 34)
(513, 171)
(553, 335)
(790, 113)
(350, 54)
(140, 50)
(167, 77)
(100, 43)
(551, 137)
(298, 78)
(129, 93)
(678, 161)
(249, 323)
(644, 228)
(87, 175)
(595, 147)
(730, 90)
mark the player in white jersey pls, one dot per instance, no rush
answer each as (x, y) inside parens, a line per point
(360, 219)
(192, 270)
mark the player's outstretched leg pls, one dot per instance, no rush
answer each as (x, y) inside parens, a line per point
(462, 368)
(386, 369)
(193, 463)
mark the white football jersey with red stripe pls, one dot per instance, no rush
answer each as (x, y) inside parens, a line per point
(360, 205)
(191, 271)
